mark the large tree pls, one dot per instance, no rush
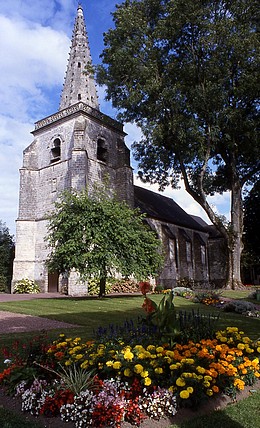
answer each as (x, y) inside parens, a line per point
(251, 253)
(6, 257)
(98, 236)
(187, 74)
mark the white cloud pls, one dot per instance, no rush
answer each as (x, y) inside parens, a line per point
(32, 63)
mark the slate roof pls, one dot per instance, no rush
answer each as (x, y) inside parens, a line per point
(165, 209)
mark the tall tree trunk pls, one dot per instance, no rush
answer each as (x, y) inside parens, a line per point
(102, 281)
(233, 234)
(236, 234)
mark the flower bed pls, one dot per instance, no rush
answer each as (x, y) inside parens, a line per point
(117, 382)
(150, 372)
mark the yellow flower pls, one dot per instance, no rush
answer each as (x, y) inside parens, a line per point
(200, 369)
(109, 363)
(67, 363)
(190, 389)
(184, 394)
(147, 381)
(209, 392)
(150, 348)
(159, 349)
(180, 382)
(187, 375)
(174, 367)
(127, 372)
(138, 368)
(158, 370)
(189, 361)
(144, 373)
(206, 384)
(207, 378)
(117, 365)
(241, 346)
(79, 356)
(128, 355)
(239, 384)
(84, 365)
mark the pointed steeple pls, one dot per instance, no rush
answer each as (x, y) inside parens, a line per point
(79, 82)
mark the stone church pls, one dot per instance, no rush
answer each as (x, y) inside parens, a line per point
(79, 146)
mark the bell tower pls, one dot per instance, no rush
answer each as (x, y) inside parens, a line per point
(72, 149)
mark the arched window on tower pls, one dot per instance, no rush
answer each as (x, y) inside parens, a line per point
(55, 150)
(101, 150)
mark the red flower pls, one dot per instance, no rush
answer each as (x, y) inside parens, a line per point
(149, 305)
(144, 287)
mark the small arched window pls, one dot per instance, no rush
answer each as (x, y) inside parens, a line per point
(55, 150)
(101, 150)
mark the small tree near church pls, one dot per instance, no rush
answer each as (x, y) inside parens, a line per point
(98, 236)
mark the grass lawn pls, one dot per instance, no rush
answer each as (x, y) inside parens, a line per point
(90, 313)
(244, 414)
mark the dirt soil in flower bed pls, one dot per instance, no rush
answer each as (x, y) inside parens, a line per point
(217, 403)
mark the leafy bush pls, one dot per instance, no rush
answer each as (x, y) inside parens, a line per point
(26, 286)
(183, 292)
(239, 306)
(207, 297)
(158, 289)
(3, 284)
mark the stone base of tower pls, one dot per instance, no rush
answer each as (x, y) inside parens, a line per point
(29, 238)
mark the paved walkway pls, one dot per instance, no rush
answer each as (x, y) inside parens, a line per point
(11, 322)
(6, 297)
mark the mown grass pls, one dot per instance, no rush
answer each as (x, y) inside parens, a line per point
(90, 313)
(244, 414)
(10, 419)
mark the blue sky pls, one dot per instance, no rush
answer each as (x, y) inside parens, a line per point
(34, 44)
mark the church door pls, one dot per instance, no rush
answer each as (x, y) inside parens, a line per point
(53, 282)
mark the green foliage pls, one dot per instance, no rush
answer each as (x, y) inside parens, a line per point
(98, 236)
(162, 317)
(94, 285)
(187, 73)
(6, 257)
(196, 325)
(3, 284)
(251, 252)
(26, 286)
(74, 378)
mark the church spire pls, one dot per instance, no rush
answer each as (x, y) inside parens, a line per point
(79, 82)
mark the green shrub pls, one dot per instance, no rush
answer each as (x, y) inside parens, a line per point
(3, 284)
(26, 286)
(239, 306)
(158, 289)
(183, 292)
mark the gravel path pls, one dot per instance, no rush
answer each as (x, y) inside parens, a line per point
(11, 322)
(15, 323)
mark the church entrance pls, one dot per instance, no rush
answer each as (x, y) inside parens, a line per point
(53, 282)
